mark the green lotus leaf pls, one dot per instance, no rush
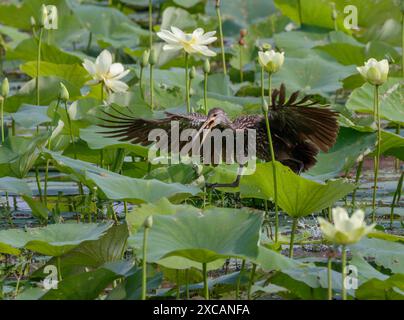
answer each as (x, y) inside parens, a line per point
(391, 100)
(53, 240)
(216, 233)
(297, 196)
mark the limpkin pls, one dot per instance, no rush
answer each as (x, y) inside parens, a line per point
(299, 129)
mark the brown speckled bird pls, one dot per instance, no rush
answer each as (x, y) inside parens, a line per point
(299, 129)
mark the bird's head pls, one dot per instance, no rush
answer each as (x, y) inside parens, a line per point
(217, 118)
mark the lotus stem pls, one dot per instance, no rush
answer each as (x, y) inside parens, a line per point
(90, 39)
(38, 183)
(219, 18)
(343, 262)
(402, 43)
(241, 64)
(271, 147)
(205, 93)
(177, 276)
(45, 188)
(250, 283)
(357, 178)
(205, 281)
(59, 269)
(398, 128)
(292, 237)
(102, 92)
(151, 88)
(38, 66)
(150, 24)
(70, 129)
(239, 279)
(141, 83)
(396, 198)
(329, 277)
(144, 263)
(2, 119)
(377, 157)
(187, 284)
(187, 82)
(299, 9)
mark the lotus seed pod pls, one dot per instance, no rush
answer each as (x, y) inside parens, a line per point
(192, 73)
(44, 16)
(206, 66)
(266, 47)
(265, 106)
(241, 42)
(5, 88)
(63, 93)
(217, 3)
(148, 223)
(243, 33)
(145, 59)
(153, 57)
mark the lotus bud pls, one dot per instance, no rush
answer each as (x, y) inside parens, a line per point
(153, 57)
(148, 223)
(33, 22)
(63, 93)
(5, 88)
(265, 106)
(243, 33)
(271, 61)
(217, 3)
(44, 16)
(206, 66)
(334, 14)
(375, 72)
(192, 73)
(145, 59)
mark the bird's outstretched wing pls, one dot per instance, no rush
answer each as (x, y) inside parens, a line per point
(299, 129)
(300, 120)
(137, 130)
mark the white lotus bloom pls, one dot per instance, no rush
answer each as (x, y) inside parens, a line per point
(106, 72)
(51, 21)
(195, 42)
(345, 230)
(270, 60)
(375, 72)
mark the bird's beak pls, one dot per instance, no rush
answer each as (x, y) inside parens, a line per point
(211, 122)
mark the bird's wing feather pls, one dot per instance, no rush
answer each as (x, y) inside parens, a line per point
(302, 121)
(137, 130)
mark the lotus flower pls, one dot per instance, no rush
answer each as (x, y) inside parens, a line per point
(106, 72)
(345, 230)
(375, 72)
(270, 60)
(195, 42)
